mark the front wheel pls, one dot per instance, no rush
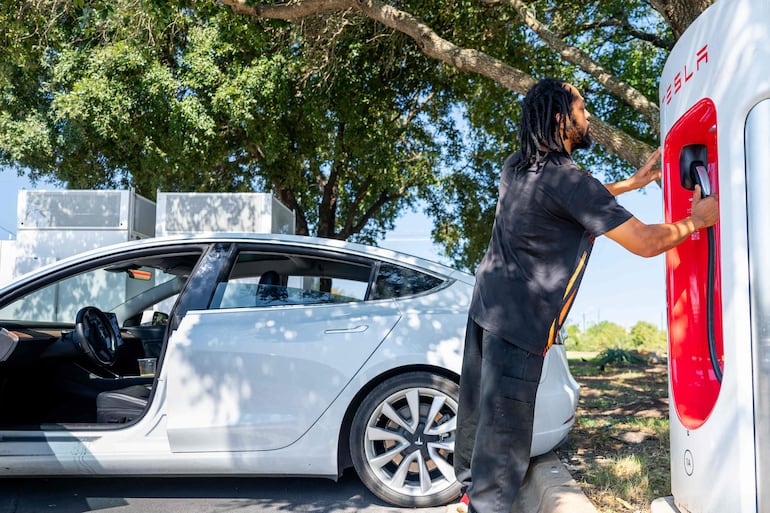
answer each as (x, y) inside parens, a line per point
(402, 440)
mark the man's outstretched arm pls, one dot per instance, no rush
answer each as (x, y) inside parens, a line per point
(649, 240)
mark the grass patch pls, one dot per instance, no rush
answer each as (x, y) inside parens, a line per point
(618, 450)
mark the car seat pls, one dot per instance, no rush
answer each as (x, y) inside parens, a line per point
(122, 405)
(270, 287)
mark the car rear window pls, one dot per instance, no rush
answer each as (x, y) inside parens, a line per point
(394, 281)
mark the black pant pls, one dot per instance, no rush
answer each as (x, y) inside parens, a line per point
(497, 408)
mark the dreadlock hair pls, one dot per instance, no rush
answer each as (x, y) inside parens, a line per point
(539, 125)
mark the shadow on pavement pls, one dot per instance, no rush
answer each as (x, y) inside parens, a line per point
(191, 495)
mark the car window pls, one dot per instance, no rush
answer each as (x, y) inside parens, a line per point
(263, 280)
(394, 281)
(132, 288)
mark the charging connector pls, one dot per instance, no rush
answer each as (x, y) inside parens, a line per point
(694, 171)
(701, 176)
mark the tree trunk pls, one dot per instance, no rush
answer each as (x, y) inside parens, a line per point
(680, 13)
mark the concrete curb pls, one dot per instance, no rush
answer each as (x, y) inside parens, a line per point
(664, 505)
(549, 488)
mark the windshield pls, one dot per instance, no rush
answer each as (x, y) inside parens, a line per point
(109, 288)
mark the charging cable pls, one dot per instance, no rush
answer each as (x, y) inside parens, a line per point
(701, 176)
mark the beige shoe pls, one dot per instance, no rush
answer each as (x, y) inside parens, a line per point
(460, 507)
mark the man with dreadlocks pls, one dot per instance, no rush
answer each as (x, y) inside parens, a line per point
(549, 212)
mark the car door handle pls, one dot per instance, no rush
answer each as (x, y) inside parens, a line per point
(357, 329)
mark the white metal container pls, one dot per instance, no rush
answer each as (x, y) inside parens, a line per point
(54, 224)
(186, 213)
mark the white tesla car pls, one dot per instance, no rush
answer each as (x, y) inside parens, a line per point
(275, 355)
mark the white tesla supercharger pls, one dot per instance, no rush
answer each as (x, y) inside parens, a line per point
(715, 128)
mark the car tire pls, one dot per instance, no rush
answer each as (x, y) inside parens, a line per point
(402, 440)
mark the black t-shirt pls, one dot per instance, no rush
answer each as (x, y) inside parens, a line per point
(546, 221)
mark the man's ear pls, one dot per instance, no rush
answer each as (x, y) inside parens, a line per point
(565, 124)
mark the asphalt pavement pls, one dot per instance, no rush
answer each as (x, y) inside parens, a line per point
(549, 488)
(192, 495)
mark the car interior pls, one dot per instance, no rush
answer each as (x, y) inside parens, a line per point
(69, 348)
(70, 345)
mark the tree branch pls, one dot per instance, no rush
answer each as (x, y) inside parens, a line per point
(654, 40)
(416, 108)
(463, 59)
(579, 58)
(633, 151)
(347, 227)
(292, 10)
(383, 199)
(327, 210)
(427, 40)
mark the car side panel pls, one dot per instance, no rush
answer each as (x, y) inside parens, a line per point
(256, 379)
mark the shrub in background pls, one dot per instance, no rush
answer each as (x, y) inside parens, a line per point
(643, 336)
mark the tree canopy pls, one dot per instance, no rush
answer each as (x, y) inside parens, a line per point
(613, 50)
(348, 110)
(193, 97)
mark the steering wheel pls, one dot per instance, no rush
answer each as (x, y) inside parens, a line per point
(96, 335)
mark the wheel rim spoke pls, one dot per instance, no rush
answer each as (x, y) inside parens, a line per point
(435, 408)
(379, 434)
(384, 458)
(443, 465)
(446, 427)
(425, 481)
(413, 399)
(399, 476)
(393, 415)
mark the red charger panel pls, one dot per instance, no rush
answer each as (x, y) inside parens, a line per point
(694, 385)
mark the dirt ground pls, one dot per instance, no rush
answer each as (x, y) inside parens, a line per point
(618, 448)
